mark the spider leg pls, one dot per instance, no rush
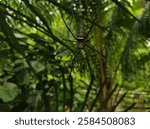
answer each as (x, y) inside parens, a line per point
(96, 51)
(69, 40)
(67, 26)
(70, 78)
(88, 39)
(88, 32)
(65, 50)
(59, 52)
(90, 28)
(90, 84)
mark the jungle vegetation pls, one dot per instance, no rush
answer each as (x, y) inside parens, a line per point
(74, 55)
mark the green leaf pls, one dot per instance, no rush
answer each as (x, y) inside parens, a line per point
(38, 67)
(3, 63)
(21, 77)
(8, 91)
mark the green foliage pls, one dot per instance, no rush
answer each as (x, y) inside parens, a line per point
(8, 91)
(43, 68)
(37, 66)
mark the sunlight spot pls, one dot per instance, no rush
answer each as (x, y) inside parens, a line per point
(148, 42)
(37, 19)
(19, 1)
(74, 8)
(51, 13)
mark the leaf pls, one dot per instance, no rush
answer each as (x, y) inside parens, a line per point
(38, 67)
(120, 5)
(21, 77)
(3, 63)
(8, 91)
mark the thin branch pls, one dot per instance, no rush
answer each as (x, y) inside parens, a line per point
(37, 13)
(97, 96)
(130, 107)
(119, 101)
(120, 5)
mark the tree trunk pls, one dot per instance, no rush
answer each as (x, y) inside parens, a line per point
(102, 77)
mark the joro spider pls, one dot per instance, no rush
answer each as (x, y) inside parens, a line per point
(80, 39)
(81, 43)
(81, 50)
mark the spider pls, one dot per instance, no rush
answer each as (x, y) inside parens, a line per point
(81, 40)
(83, 51)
